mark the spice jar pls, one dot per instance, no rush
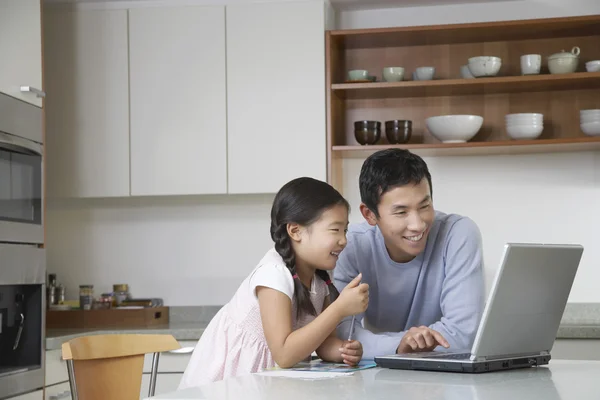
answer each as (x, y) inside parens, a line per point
(121, 293)
(86, 296)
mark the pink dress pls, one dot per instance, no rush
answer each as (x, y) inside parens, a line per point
(234, 342)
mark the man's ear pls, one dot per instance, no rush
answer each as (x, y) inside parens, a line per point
(368, 214)
(294, 231)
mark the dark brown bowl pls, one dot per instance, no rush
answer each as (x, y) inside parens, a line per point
(367, 132)
(398, 131)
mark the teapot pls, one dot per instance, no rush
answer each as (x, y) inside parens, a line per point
(564, 62)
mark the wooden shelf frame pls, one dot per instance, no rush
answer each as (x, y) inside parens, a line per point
(559, 97)
(459, 87)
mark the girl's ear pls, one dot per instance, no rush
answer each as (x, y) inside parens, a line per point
(294, 231)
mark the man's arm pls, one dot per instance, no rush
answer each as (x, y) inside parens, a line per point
(462, 297)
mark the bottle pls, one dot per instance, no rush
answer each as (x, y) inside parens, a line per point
(86, 296)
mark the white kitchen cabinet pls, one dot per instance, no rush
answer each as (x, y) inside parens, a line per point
(87, 113)
(178, 105)
(37, 395)
(21, 49)
(275, 94)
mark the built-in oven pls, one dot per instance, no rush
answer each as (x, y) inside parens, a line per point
(21, 172)
(22, 318)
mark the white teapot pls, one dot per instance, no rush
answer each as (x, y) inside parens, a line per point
(564, 62)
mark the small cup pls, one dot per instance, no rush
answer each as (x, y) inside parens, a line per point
(531, 64)
(393, 74)
(398, 131)
(465, 72)
(424, 73)
(358, 75)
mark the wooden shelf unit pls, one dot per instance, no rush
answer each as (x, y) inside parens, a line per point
(447, 47)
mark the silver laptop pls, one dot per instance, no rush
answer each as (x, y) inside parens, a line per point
(520, 319)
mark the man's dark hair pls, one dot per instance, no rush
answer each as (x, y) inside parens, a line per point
(388, 169)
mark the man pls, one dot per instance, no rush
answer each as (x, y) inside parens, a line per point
(424, 268)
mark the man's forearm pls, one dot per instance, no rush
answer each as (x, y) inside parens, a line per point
(374, 344)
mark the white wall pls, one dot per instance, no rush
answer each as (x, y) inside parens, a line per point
(188, 250)
(531, 198)
(196, 250)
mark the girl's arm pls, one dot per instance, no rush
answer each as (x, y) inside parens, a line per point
(331, 349)
(289, 347)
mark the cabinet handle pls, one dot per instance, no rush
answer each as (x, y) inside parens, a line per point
(31, 89)
(183, 350)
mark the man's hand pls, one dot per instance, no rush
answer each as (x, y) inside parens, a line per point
(421, 339)
(352, 352)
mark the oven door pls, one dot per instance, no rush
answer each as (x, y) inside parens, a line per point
(22, 316)
(20, 190)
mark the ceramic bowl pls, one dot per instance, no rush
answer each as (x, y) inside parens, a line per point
(393, 74)
(398, 131)
(358, 75)
(592, 66)
(367, 132)
(484, 66)
(454, 128)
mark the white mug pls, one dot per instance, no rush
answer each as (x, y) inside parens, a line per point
(531, 64)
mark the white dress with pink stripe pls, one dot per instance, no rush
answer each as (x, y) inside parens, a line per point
(234, 342)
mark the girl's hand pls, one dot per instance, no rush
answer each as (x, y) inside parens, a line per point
(354, 299)
(352, 352)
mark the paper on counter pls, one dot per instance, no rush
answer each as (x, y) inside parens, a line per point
(284, 373)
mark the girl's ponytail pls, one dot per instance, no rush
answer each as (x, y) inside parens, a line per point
(333, 292)
(283, 245)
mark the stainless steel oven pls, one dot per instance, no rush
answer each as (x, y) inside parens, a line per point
(22, 318)
(21, 169)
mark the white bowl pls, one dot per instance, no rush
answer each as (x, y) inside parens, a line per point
(593, 66)
(591, 128)
(526, 125)
(484, 66)
(589, 119)
(524, 120)
(518, 115)
(454, 128)
(524, 131)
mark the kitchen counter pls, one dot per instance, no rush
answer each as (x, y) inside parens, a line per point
(580, 321)
(180, 330)
(561, 380)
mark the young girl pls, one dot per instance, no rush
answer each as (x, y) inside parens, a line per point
(284, 310)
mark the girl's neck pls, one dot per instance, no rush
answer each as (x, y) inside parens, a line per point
(305, 273)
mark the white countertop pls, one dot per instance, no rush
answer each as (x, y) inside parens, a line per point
(561, 380)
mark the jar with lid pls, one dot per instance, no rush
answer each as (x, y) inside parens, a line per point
(86, 296)
(121, 293)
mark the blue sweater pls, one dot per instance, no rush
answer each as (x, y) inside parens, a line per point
(442, 288)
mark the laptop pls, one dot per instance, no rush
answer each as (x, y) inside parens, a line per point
(520, 319)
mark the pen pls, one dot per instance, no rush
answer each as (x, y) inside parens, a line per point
(351, 328)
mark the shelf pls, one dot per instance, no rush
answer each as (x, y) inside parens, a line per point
(507, 147)
(452, 87)
(546, 28)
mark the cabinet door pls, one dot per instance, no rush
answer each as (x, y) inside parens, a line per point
(21, 49)
(87, 115)
(275, 94)
(178, 106)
